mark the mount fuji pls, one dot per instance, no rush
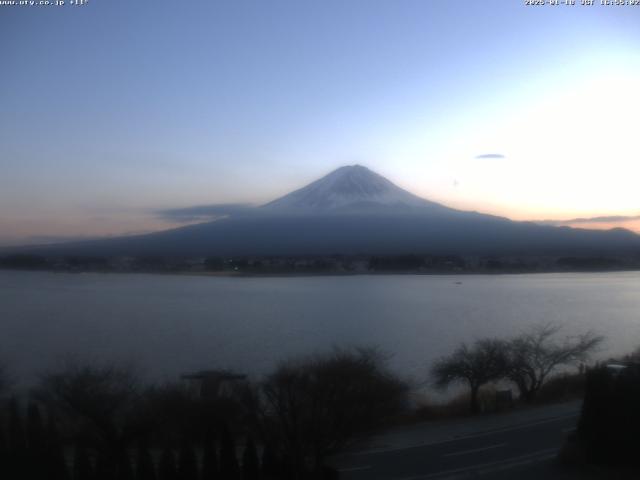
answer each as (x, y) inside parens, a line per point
(353, 210)
(354, 189)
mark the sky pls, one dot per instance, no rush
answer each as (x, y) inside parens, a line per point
(115, 110)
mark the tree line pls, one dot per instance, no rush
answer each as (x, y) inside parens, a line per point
(102, 422)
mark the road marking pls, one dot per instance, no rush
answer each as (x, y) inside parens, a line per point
(483, 468)
(375, 451)
(354, 469)
(474, 450)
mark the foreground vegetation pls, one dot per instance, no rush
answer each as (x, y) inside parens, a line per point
(527, 361)
(101, 422)
(607, 429)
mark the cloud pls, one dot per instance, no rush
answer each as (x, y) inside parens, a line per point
(606, 219)
(201, 213)
(490, 155)
(42, 239)
(611, 219)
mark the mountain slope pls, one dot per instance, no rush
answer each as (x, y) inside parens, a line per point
(355, 211)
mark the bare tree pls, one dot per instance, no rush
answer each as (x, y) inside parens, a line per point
(99, 401)
(534, 355)
(319, 404)
(483, 362)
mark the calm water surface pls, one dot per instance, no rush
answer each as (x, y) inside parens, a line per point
(171, 324)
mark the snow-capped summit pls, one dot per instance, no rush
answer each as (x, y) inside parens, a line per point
(351, 188)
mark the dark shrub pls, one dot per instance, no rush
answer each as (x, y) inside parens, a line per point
(610, 418)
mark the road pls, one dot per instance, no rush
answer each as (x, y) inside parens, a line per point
(473, 455)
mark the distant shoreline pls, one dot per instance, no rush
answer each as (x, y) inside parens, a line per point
(324, 265)
(224, 274)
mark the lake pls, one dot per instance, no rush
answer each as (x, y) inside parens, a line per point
(169, 324)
